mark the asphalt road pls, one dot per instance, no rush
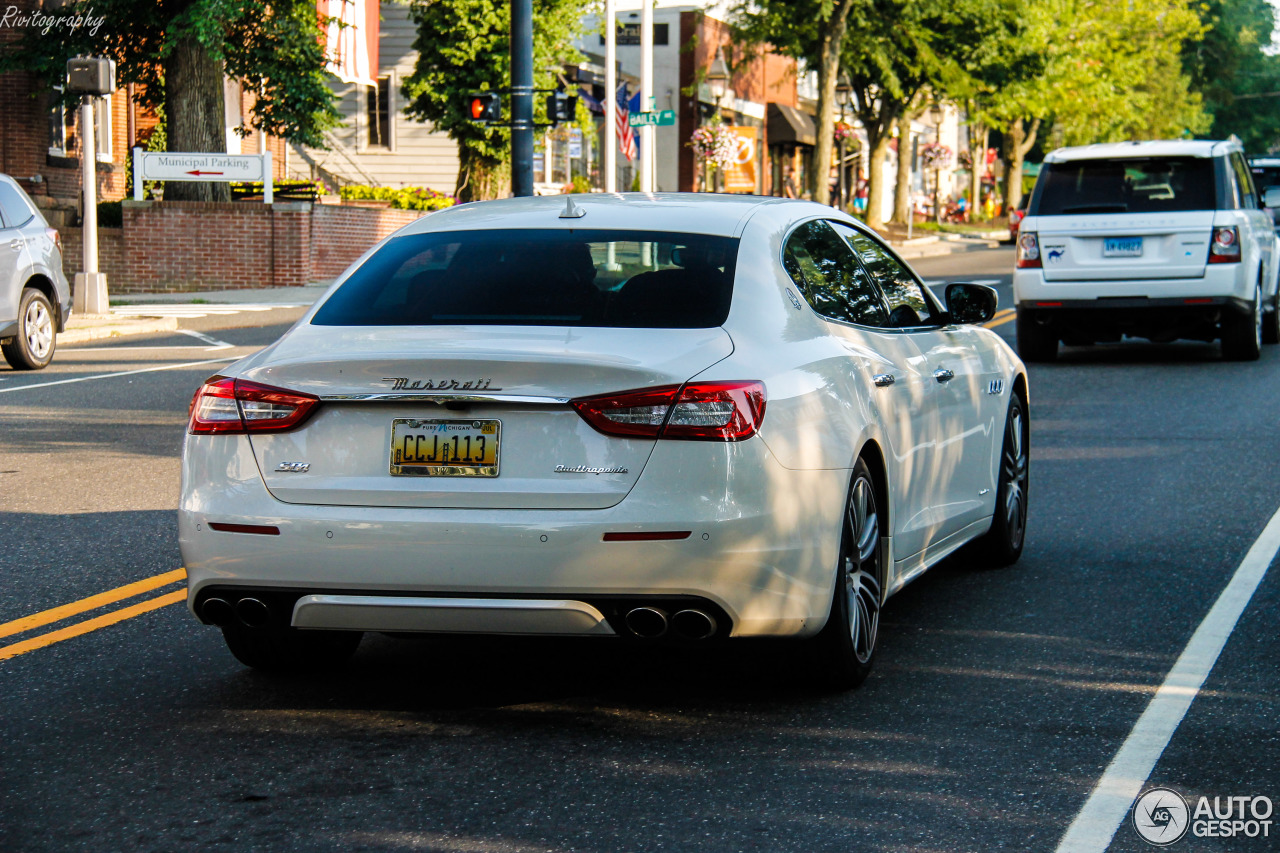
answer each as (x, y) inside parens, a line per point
(998, 700)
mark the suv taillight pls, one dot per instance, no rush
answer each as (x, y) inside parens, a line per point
(1028, 251)
(224, 405)
(697, 411)
(1225, 248)
(52, 234)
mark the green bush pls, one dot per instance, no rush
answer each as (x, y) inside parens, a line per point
(580, 184)
(402, 198)
(110, 214)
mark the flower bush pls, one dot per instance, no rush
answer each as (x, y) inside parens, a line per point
(715, 143)
(402, 198)
(936, 156)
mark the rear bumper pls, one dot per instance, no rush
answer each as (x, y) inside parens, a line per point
(761, 550)
(1219, 280)
(1089, 320)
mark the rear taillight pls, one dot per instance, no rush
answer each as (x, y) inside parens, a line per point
(52, 234)
(224, 405)
(1028, 251)
(1225, 248)
(698, 411)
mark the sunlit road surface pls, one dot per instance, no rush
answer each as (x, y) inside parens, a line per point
(999, 700)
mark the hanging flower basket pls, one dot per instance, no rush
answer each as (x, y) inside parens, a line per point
(843, 131)
(716, 144)
(936, 156)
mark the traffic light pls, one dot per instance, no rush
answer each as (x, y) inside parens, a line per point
(484, 107)
(561, 107)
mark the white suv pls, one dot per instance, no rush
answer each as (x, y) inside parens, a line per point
(1157, 240)
(35, 300)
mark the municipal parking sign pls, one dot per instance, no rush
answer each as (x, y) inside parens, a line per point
(175, 166)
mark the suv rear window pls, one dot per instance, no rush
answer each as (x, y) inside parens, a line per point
(1147, 185)
(540, 277)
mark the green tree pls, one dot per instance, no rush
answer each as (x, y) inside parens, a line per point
(179, 52)
(464, 46)
(1239, 79)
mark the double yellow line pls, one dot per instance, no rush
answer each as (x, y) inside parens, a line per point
(84, 605)
(1000, 318)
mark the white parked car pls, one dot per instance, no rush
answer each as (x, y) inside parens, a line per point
(1157, 240)
(35, 300)
(667, 417)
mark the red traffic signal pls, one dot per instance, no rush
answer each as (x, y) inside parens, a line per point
(484, 107)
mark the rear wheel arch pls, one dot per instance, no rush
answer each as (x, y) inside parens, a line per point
(44, 285)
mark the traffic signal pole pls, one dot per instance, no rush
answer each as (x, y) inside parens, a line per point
(522, 97)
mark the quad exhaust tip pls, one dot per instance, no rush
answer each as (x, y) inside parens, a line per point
(253, 613)
(649, 623)
(217, 611)
(693, 624)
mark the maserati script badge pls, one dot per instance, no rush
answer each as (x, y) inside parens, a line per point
(403, 383)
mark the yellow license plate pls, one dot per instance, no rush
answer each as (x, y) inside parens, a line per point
(442, 447)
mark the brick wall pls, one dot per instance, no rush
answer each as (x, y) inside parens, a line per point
(178, 246)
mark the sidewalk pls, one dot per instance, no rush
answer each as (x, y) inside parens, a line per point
(82, 328)
(947, 243)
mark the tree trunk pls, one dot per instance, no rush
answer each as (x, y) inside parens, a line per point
(1020, 141)
(978, 136)
(828, 70)
(196, 117)
(878, 145)
(480, 178)
(902, 190)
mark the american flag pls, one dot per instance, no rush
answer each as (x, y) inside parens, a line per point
(626, 138)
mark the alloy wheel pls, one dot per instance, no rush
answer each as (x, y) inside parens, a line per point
(37, 328)
(1014, 473)
(862, 569)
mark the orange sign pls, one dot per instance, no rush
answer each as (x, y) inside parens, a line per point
(741, 176)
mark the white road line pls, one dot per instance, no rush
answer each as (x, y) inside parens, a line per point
(121, 373)
(211, 345)
(1108, 805)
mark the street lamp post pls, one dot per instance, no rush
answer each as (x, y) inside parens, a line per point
(844, 91)
(718, 82)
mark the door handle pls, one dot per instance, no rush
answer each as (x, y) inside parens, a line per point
(17, 245)
(883, 380)
(942, 374)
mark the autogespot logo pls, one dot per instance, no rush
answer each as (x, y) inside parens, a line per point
(1161, 816)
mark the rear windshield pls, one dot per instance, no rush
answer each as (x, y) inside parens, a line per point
(1265, 176)
(560, 277)
(1149, 185)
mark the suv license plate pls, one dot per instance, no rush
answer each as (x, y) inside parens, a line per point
(1122, 247)
(444, 447)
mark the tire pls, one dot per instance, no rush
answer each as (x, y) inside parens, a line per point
(840, 657)
(37, 338)
(1002, 544)
(289, 649)
(1271, 322)
(1242, 334)
(1036, 342)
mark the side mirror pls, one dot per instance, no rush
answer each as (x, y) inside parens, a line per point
(970, 303)
(1271, 197)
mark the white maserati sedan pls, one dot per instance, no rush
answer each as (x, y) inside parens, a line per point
(652, 418)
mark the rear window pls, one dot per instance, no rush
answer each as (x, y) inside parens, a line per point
(1150, 185)
(1265, 176)
(551, 277)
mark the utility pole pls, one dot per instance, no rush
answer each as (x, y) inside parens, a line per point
(522, 97)
(648, 102)
(610, 101)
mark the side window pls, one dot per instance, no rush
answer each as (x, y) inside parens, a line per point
(16, 210)
(1248, 197)
(908, 305)
(832, 281)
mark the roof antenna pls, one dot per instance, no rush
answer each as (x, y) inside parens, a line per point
(571, 210)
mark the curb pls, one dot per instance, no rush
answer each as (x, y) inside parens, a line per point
(94, 327)
(944, 247)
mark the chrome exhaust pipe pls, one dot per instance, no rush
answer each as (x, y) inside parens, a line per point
(217, 611)
(253, 613)
(693, 624)
(649, 623)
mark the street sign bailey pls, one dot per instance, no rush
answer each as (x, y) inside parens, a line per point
(653, 119)
(175, 166)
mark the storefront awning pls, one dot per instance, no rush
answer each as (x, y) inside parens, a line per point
(788, 124)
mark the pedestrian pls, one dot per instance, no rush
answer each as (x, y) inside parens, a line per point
(788, 182)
